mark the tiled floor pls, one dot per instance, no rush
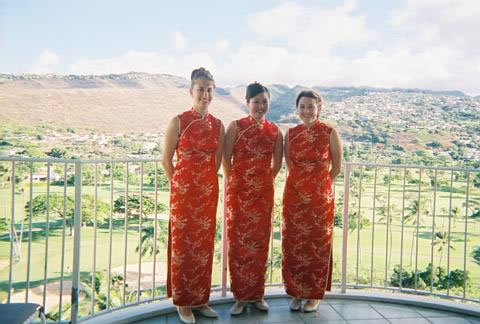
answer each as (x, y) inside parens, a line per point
(330, 311)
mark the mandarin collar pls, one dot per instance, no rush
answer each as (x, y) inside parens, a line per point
(197, 114)
(316, 122)
(253, 120)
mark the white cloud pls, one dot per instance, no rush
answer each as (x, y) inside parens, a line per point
(435, 47)
(442, 36)
(46, 63)
(447, 23)
(179, 41)
(143, 62)
(311, 29)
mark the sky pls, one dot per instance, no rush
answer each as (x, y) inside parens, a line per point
(428, 44)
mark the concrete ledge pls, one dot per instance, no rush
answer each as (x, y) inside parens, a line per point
(410, 300)
(162, 307)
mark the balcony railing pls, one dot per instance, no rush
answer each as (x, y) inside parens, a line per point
(85, 237)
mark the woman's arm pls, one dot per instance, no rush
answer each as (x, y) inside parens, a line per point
(221, 144)
(285, 151)
(171, 140)
(336, 154)
(230, 137)
(277, 154)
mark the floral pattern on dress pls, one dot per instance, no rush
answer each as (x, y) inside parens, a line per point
(249, 203)
(193, 207)
(308, 207)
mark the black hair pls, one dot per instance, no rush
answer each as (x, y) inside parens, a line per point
(201, 73)
(309, 94)
(254, 89)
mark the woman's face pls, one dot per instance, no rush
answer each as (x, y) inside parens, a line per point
(308, 110)
(258, 105)
(202, 93)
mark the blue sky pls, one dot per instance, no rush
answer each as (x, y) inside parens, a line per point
(385, 43)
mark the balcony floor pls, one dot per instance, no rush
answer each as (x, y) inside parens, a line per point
(329, 311)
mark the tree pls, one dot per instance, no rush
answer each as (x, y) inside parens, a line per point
(441, 239)
(148, 205)
(476, 255)
(147, 243)
(357, 222)
(58, 153)
(56, 208)
(4, 171)
(162, 181)
(455, 278)
(119, 172)
(387, 214)
(414, 210)
(455, 213)
(476, 181)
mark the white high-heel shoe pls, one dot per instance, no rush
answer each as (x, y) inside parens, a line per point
(206, 311)
(295, 304)
(308, 307)
(261, 305)
(185, 319)
(238, 308)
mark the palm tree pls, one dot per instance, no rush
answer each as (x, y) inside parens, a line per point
(476, 255)
(388, 214)
(455, 214)
(413, 210)
(441, 239)
(147, 239)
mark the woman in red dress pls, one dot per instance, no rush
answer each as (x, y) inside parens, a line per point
(197, 137)
(252, 159)
(313, 154)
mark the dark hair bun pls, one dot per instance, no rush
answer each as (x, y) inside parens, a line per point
(254, 89)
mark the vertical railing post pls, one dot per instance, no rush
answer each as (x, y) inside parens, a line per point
(12, 234)
(77, 222)
(346, 192)
(224, 239)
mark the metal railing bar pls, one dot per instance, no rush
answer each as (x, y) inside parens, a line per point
(140, 233)
(346, 197)
(224, 255)
(433, 230)
(403, 224)
(466, 237)
(373, 224)
(47, 234)
(12, 234)
(417, 225)
(358, 221)
(125, 238)
(30, 216)
(83, 161)
(387, 255)
(155, 231)
(411, 166)
(110, 235)
(76, 242)
(64, 224)
(449, 231)
(95, 206)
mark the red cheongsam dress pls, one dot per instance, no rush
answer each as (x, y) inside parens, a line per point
(249, 207)
(193, 206)
(308, 207)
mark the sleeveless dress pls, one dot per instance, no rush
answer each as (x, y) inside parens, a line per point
(249, 207)
(193, 207)
(308, 210)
